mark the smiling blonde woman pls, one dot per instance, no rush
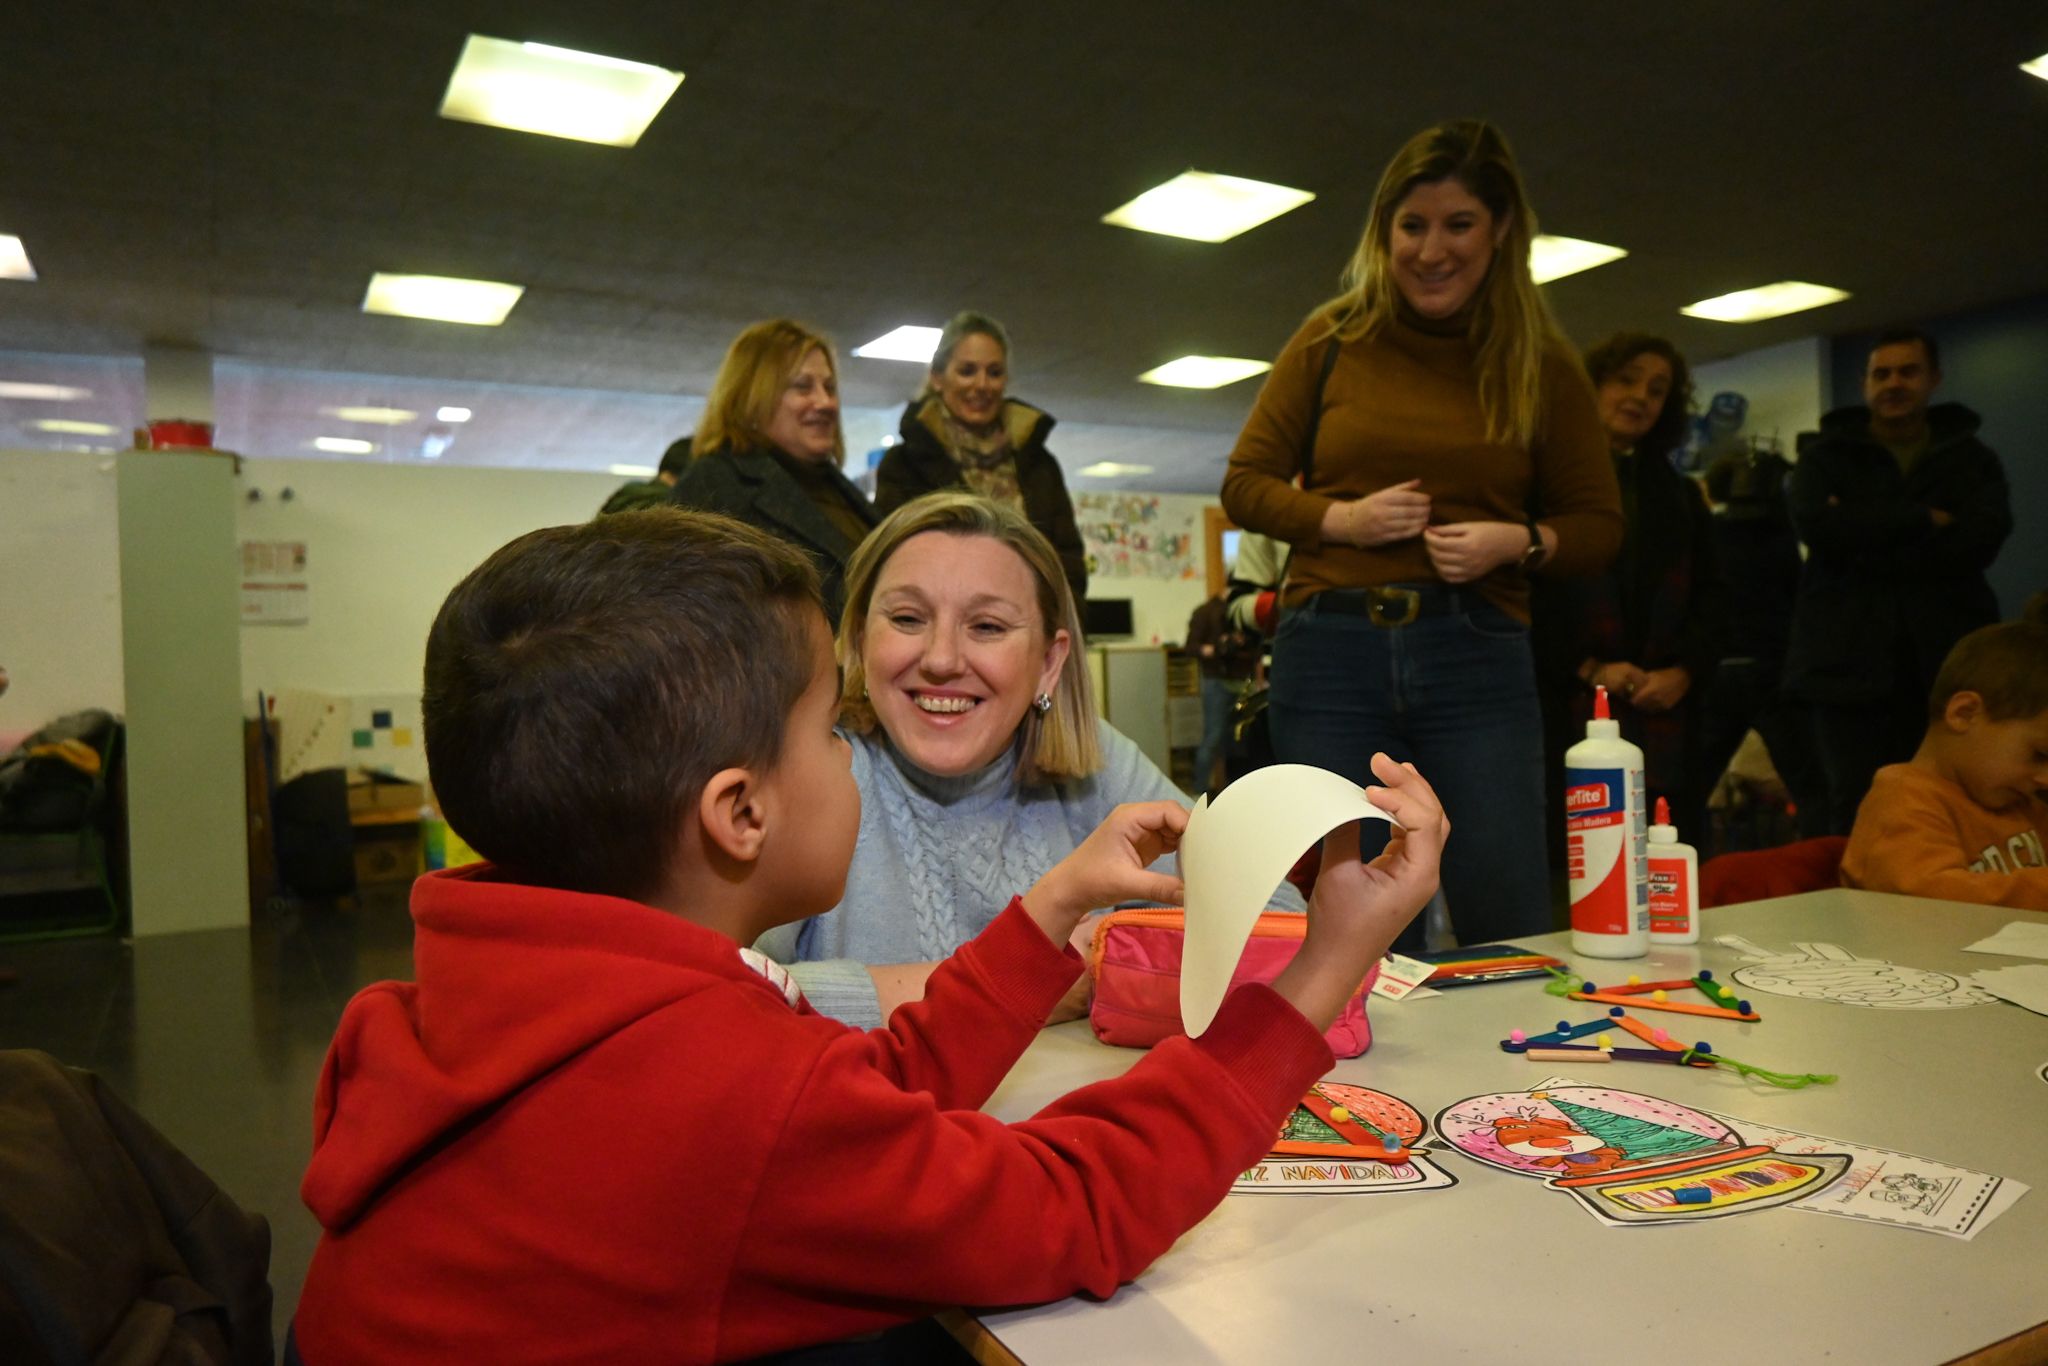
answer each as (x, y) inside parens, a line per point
(965, 432)
(1426, 443)
(980, 760)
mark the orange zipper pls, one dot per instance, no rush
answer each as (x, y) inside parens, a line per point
(1270, 925)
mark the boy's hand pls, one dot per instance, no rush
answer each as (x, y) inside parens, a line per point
(1358, 909)
(1110, 866)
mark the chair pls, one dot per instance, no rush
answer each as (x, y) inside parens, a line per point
(1760, 874)
(55, 873)
(114, 1247)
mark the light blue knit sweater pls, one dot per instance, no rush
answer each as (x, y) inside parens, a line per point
(939, 858)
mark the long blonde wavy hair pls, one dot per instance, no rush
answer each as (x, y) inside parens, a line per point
(1511, 327)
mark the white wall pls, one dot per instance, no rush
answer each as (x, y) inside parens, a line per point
(60, 586)
(1786, 385)
(384, 544)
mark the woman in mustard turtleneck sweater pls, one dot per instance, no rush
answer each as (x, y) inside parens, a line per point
(1446, 448)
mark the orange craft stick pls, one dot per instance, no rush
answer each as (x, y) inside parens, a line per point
(1649, 1035)
(1637, 1002)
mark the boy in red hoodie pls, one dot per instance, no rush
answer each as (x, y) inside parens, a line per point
(1965, 819)
(598, 1129)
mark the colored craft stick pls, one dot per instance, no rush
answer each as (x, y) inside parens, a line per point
(1716, 992)
(1656, 1037)
(1578, 1052)
(1568, 1055)
(1467, 979)
(1491, 964)
(1625, 999)
(1564, 1033)
(1636, 986)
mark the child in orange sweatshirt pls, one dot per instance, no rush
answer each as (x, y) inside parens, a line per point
(1964, 820)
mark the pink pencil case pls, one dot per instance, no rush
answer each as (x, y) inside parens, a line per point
(1136, 959)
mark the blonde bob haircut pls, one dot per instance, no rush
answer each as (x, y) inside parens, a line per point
(1060, 744)
(1511, 327)
(757, 368)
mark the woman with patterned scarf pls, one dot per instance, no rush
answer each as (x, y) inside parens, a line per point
(1649, 629)
(962, 432)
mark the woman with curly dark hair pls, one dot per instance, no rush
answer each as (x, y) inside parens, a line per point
(1649, 628)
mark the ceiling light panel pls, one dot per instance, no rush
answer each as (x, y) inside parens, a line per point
(72, 428)
(1207, 207)
(343, 445)
(1765, 301)
(633, 471)
(555, 91)
(2037, 67)
(905, 343)
(1111, 469)
(53, 393)
(1553, 258)
(442, 298)
(382, 417)
(1204, 372)
(14, 259)
(452, 414)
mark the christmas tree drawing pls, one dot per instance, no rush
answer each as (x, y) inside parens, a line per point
(1639, 1140)
(1304, 1127)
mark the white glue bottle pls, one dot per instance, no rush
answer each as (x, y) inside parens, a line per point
(1604, 839)
(1674, 883)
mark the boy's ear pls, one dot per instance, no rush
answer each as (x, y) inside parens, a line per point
(730, 813)
(1963, 710)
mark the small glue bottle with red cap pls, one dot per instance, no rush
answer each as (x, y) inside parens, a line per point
(1604, 819)
(1674, 883)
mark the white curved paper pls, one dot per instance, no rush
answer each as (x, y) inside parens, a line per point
(1235, 852)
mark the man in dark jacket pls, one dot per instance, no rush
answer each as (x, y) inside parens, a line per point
(653, 492)
(1902, 509)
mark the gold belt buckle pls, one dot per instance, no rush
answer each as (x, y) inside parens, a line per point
(1392, 606)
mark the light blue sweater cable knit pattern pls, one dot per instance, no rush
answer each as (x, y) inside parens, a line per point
(937, 859)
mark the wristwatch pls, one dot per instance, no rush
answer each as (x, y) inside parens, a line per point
(1535, 554)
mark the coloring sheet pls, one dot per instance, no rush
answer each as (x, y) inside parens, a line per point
(1630, 1158)
(1829, 972)
(1895, 1188)
(1346, 1140)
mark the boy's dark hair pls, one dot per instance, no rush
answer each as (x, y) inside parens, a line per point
(1900, 336)
(2005, 664)
(2036, 609)
(584, 683)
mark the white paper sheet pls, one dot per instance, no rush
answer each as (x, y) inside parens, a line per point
(1234, 852)
(2023, 986)
(1829, 972)
(2021, 939)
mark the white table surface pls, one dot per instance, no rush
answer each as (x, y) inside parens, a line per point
(1503, 1270)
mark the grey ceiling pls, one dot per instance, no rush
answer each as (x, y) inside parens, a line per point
(228, 174)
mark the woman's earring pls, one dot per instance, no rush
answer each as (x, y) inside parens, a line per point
(1042, 703)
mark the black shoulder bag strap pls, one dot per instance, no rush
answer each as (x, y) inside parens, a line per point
(1308, 440)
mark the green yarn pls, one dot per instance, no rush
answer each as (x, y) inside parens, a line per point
(1791, 1081)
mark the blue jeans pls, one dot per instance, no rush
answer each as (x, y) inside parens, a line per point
(1219, 695)
(1455, 694)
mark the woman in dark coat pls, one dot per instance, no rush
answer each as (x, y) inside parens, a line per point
(768, 450)
(1649, 629)
(964, 432)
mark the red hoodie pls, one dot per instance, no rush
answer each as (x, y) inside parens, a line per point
(591, 1132)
